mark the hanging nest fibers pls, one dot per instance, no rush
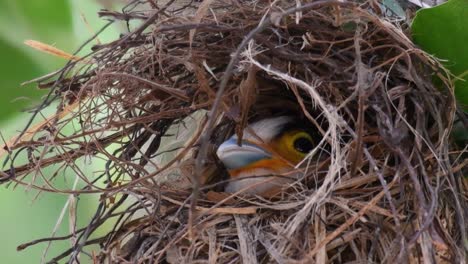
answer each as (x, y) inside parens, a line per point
(383, 184)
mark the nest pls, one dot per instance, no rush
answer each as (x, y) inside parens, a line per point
(384, 184)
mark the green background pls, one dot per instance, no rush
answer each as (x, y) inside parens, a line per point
(25, 215)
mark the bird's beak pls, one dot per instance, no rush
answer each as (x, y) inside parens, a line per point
(235, 157)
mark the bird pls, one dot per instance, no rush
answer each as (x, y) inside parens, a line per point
(260, 163)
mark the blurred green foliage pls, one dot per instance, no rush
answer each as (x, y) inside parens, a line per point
(61, 23)
(47, 21)
(16, 67)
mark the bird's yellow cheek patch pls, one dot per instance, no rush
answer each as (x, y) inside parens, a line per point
(284, 145)
(273, 165)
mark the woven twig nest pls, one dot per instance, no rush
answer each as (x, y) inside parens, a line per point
(384, 184)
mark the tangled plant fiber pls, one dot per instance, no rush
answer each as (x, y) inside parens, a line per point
(383, 184)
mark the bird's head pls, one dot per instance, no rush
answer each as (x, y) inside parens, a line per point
(269, 149)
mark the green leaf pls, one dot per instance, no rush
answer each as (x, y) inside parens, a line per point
(393, 8)
(443, 32)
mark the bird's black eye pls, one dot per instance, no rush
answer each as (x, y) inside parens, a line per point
(303, 145)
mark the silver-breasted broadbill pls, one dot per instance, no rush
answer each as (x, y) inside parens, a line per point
(263, 161)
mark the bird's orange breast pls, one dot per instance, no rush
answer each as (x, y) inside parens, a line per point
(274, 165)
